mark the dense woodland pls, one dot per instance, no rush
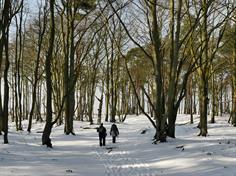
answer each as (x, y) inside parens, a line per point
(152, 57)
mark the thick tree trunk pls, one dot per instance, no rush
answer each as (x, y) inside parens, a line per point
(159, 114)
(171, 111)
(203, 102)
(171, 122)
(204, 73)
(4, 42)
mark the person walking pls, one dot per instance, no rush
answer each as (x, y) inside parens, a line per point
(102, 133)
(114, 132)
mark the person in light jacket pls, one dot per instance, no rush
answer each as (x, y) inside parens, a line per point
(114, 132)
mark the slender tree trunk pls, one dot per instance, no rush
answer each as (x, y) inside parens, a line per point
(6, 91)
(194, 100)
(91, 99)
(136, 106)
(213, 100)
(81, 102)
(38, 104)
(100, 105)
(191, 99)
(16, 109)
(188, 98)
(42, 30)
(20, 66)
(233, 113)
(221, 96)
(107, 90)
(1, 111)
(48, 126)
(112, 88)
(93, 84)
(12, 100)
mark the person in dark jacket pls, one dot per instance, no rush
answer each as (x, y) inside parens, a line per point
(102, 133)
(114, 132)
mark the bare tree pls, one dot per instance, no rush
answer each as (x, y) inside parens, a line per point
(49, 123)
(42, 28)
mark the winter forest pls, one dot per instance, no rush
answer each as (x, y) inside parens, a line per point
(163, 71)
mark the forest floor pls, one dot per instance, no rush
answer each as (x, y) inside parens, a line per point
(132, 155)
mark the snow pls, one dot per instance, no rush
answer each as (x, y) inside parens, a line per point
(132, 155)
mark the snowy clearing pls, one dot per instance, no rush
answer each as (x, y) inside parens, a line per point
(132, 155)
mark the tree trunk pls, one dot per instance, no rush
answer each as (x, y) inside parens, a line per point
(203, 102)
(6, 90)
(42, 30)
(191, 99)
(158, 61)
(1, 112)
(188, 98)
(81, 102)
(112, 88)
(93, 85)
(233, 113)
(213, 100)
(221, 96)
(4, 42)
(69, 72)
(16, 109)
(100, 105)
(20, 66)
(171, 111)
(38, 104)
(204, 73)
(107, 90)
(48, 126)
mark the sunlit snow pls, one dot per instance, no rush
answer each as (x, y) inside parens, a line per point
(132, 155)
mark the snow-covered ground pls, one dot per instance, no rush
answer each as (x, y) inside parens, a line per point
(133, 154)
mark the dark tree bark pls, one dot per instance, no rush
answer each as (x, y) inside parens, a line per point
(42, 29)
(107, 90)
(49, 124)
(233, 113)
(213, 99)
(100, 104)
(4, 42)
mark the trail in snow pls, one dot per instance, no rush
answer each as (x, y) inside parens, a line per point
(118, 162)
(132, 155)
